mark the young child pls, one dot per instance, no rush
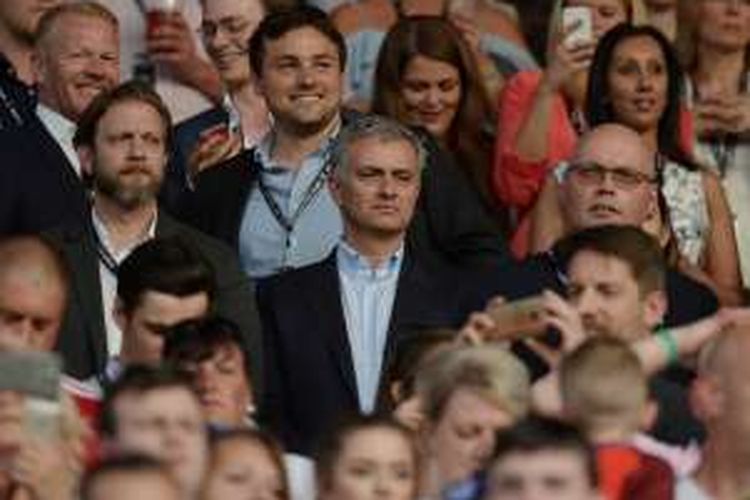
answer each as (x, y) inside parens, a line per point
(605, 392)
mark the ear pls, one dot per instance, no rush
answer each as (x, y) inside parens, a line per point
(654, 308)
(334, 186)
(706, 398)
(86, 158)
(649, 415)
(395, 391)
(38, 66)
(119, 315)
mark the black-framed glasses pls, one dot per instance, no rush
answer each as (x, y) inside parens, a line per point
(622, 177)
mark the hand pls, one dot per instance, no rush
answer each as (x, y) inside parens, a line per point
(46, 470)
(468, 29)
(568, 59)
(214, 145)
(719, 115)
(481, 326)
(561, 316)
(172, 46)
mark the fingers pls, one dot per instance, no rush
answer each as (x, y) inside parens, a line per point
(479, 328)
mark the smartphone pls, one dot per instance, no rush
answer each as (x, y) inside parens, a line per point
(37, 376)
(520, 318)
(580, 17)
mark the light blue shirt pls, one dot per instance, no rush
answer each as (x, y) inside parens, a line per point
(265, 247)
(367, 295)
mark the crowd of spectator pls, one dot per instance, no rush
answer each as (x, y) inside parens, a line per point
(374, 249)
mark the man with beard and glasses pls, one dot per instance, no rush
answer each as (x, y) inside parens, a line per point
(76, 56)
(122, 141)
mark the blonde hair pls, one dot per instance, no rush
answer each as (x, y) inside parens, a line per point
(492, 373)
(635, 10)
(604, 386)
(88, 9)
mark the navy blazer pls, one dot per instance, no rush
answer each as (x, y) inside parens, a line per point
(83, 340)
(38, 187)
(310, 377)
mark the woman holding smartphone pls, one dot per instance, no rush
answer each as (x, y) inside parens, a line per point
(635, 80)
(541, 112)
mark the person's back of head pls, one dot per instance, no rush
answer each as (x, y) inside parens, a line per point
(604, 390)
(548, 457)
(129, 476)
(166, 265)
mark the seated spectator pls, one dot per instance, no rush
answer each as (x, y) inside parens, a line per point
(123, 140)
(212, 353)
(76, 56)
(18, 24)
(491, 33)
(127, 477)
(466, 394)
(720, 401)
(605, 392)
(154, 411)
(541, 112)
(368, 457)
(542, 459)
(242, 121)
(246, 464)
(426, 76)
(713, 42)
(692, 218)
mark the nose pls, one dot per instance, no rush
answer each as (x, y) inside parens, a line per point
(382, 485)
(645, 81)
(585, 304)
(433, 97)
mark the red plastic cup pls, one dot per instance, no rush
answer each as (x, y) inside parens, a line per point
(158, 12)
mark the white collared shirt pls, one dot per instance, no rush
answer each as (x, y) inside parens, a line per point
(108, 279)
(62, 130)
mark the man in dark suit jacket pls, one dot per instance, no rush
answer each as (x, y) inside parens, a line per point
(329, 327)
(122, 141)
(40, 181)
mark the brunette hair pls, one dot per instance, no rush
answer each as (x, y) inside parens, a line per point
(436, 38)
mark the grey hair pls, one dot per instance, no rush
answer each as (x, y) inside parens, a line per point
(372, 127)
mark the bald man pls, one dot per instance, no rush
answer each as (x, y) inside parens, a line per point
(721, 400)
(33, 293)
(611, 179)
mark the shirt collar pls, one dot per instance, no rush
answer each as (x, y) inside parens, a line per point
(353, 262)
(264, 149)
(102, 232)
(62, 128)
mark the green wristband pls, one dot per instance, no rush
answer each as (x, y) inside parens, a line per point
(668, 343)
